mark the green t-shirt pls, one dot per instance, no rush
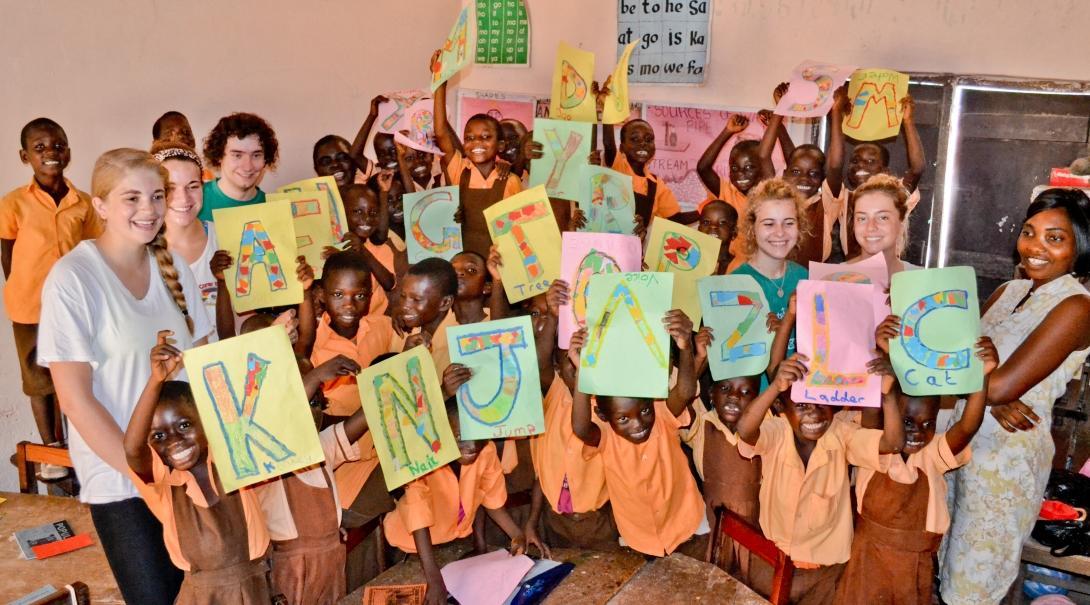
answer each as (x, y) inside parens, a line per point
(778, 292)
(215, 198)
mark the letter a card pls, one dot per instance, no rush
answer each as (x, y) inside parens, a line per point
(627, 352)
(503, 398)
(735, 308)
(261, 240)
(565, 153)
(253, 407)
(524, 228)
(406, 415)
(935, 353)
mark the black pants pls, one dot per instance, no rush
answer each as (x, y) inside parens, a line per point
(133, 541)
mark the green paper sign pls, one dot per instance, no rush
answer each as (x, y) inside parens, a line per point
(454, 55)
(429, 216)
(628, 350)
(404, 407)
(503, 33)
(735, 308)
(566, 149)
(935, 353)
(607, 200)
(503, 399)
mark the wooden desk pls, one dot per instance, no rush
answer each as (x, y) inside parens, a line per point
(87, 565)
(682, 579)
(607, 577)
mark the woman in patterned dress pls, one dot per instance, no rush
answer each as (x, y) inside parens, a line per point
(1041, 326)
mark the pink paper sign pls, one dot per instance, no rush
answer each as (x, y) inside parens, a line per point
(409, 116)
(835, 330)
(486, 579)
(812, 84)
(583, 255)
(871, 270)
(498, 105)
(682, 134)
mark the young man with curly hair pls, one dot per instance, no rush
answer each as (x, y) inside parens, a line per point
(240, 148)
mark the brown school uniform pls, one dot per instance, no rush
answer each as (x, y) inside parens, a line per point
(902, 517)
(653, 196)
(476, 193)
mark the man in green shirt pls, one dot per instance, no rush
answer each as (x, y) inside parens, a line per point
(240, 147)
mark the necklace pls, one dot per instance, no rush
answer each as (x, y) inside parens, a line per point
(779, 287)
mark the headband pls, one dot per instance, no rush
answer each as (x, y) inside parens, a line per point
(178, 152)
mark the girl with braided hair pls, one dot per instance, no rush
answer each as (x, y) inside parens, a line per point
(103, 305)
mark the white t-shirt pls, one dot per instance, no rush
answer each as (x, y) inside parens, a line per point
(206, 282)
(88, 315)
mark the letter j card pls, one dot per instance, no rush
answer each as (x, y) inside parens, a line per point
(253, 407)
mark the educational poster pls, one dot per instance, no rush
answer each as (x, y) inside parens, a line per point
(735, 308)
(812, 84)
(430, 219)
(503, 398)
(251, 402)
(261, 240)
(582, 256)
(606, 200)
(628, 350)
(681, 136)
(571, 97)
(455, 55)
(409, 116)
(617, 108)
(404, 407)
(940, 323)
(872, 270)
(499, 105)
(687, 253)
(524, 228)
(835, 329)
(566, 150)
(503, 33)
(319, 222)
(876, 104)
(674, 39)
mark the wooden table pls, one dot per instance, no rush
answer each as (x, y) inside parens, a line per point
(606, 577)
(87, 565)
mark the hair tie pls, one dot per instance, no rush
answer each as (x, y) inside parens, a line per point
(177, 152)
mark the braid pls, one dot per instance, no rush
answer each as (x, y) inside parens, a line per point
(165, 260)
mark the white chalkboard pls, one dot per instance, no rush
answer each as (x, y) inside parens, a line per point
(672, 39)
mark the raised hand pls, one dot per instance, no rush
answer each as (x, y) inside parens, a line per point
(680, 328)
(889, 328)
(220, 262)
(165, 357)
(791, 370)
(557, 295)
(454, 377)
(304, 272)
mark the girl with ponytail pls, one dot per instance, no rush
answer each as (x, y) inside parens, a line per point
(103, 305)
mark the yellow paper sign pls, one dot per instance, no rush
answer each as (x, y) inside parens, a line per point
(253, 407)
(261, 240)
(338, 220)
(876, 104)
(616, 108)
(688, 254)
(572, 97)
(404, 407)
(524, 228)
(314, 223)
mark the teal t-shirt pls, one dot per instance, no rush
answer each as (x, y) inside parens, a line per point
(215, 198)
(778, 292)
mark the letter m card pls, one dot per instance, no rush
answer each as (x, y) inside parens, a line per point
(253, 408)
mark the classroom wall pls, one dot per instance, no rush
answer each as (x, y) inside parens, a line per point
(106, 69)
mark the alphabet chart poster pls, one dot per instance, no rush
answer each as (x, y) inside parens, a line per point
(524, 228)
(582, 256)
(835, 329)
(503, 33)
(735, 308)
(688, 254)
(565, 152)
(672, 39)
(940, 323)
(262, 242)
(607, 200)
(431, 226)
(406, 416)
(503, 398)
(876, 96)
(627, 352)
(253, 407)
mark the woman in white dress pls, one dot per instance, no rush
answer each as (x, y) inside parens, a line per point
(1041, 327)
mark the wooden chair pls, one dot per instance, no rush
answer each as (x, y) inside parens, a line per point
(28, 455)
(64, 597)
(729, 524)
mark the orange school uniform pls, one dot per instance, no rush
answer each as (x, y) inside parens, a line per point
(43, 231)
(665, 203)
(374, 337)
(458, 162)
(380, 301)
(558, 457)
(440, 354)
(806, 508)
(445, 503)
(655, 500)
